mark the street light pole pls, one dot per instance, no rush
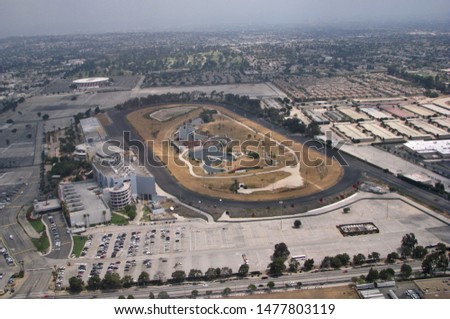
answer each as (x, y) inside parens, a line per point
(281, 208)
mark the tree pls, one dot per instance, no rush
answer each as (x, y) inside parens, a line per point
(433, 262)
(194, 294)
(111, 281)
(359, 259)
(374, 256)
(391, 257)
(195, 274)
(226, 292)
(226, 272)
(297, 223)
(386, 274)
(294, 265)
(313, 129)
(127, 281)
(212, 273)
(419, 252)
(270, 285)
(243, 270)
(251, 288)
(405, 271)
(151, 295)
(130, 297)
(326, 262)
(75, 284)
(441, 247)
(408, 243)
(346, 210)
(160, 276)
(178, 276)
(45, 117)
(121, 297)
(309, 264)
(163, 295)
(281, 251)
(143, 278)
(372, 275)
(277, 266)
(94, 283)
(344, 258)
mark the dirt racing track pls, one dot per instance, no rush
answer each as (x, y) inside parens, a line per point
(216, 204)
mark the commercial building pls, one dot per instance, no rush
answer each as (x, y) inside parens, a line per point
(380, 132)
(122, 179)
(92, 130)
(429, 149)
(405, 130)
(376, 113)
(429, 128)
(83, 204)
(353, 114)
(316, 117)
(352, 132)
(442, 122)
(421, 111)
(47, 206)
(398, 112)
(91, 83)
(437, 109)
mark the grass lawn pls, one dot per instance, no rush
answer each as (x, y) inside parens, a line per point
(118, 220)
(78, 245)
(42, 244)
(37, 224)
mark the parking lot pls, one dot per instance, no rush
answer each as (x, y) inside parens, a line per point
(17, 145)
(184, 245)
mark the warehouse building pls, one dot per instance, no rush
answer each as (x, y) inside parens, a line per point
(429, 149)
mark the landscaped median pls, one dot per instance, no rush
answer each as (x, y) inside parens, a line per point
(78, 245)
(42, 243)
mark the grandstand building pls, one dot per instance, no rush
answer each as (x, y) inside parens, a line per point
(91, 83)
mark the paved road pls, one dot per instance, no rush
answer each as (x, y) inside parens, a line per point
(169, 184)
(318, 279)
(65, 248)
(21, 247)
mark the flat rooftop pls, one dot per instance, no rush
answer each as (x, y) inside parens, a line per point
(93, 130)
(83, 196)
(439, 146)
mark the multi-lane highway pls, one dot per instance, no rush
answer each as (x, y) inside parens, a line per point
(240, 285)
(20, 246)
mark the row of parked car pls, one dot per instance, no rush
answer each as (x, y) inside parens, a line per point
(60, 277)
(118, 244)
(86, 246)
(103, 246)
(8, 258)
(55, 233)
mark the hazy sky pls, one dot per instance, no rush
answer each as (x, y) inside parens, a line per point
(41, 17)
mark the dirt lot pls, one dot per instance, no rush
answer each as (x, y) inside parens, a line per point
(341, 292)
(316, 175)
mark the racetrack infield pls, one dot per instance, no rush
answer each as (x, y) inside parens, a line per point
(153, 130)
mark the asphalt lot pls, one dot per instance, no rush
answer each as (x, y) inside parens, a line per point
(57, 232)
(201, 245)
